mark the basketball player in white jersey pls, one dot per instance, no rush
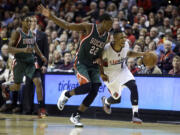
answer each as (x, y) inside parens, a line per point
(116, 74)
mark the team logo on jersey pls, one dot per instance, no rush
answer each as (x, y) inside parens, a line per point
(29, 41)
(97, 43)
(119, 61)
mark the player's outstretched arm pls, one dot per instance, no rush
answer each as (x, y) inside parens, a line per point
(62, 23)
(15, 37)
(135, 54)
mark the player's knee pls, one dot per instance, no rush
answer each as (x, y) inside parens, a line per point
(132, 85)
(83, 89)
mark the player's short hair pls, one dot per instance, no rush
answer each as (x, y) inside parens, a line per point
(29, 14)
(105, 17)
(116, 31)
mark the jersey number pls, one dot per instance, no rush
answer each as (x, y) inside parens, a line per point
(94, 50)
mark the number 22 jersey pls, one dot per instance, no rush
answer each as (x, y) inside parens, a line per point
(91, 47)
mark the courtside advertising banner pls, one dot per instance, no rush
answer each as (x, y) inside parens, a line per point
(156, 93)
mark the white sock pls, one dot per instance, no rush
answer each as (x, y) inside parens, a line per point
(106, 102)
(134, 109)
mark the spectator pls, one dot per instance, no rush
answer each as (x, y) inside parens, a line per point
(68, 63)
(152, 46)
(3, 37)
(154, 34)
(57, 59)
(130, 36)
(112, 9)
(137, 48)
(132, 66)
(13, 104)
(177, 48)
(166, 25)
(176, 66)
(151, 70)
(4, 52)
(166, 57)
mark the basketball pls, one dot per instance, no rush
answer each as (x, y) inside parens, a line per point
(150, 59)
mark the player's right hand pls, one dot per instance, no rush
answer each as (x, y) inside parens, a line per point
(28, 50)
(105, 77)
(43, 10)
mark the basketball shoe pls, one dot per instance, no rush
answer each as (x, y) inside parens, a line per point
(75, 119)
(42, 113)
(106, 107)
(136, 119)
(62, 100)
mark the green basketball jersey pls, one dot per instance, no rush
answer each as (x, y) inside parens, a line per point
(91, 47)
(23, 42)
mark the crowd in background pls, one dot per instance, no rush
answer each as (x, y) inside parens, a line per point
(149, 25)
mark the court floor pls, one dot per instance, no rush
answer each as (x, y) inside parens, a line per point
(11, 124)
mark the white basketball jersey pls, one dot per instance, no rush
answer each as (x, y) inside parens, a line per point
(116, 61)
(116, 68)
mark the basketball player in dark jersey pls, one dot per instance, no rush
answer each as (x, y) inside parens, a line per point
(87, 72)
(22, 45)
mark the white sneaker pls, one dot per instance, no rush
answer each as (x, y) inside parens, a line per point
(62, 100)
(76, 120)
(136, 119)
(106, 107)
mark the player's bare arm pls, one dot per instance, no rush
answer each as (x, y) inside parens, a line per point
(62, 23)
(135, 54)
(12, 44)
(102, 74)
(37, 50)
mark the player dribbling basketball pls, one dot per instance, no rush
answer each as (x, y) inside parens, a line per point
(116, 74)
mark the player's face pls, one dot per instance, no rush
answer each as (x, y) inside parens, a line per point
(107, 25)
(26, 22)
(119, 39)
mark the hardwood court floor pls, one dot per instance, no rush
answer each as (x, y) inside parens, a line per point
(11, 124)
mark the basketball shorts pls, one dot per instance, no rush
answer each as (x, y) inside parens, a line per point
(117, 79)
(87, 74)
(22, 69)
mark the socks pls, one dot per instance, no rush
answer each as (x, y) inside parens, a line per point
(134, 109)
